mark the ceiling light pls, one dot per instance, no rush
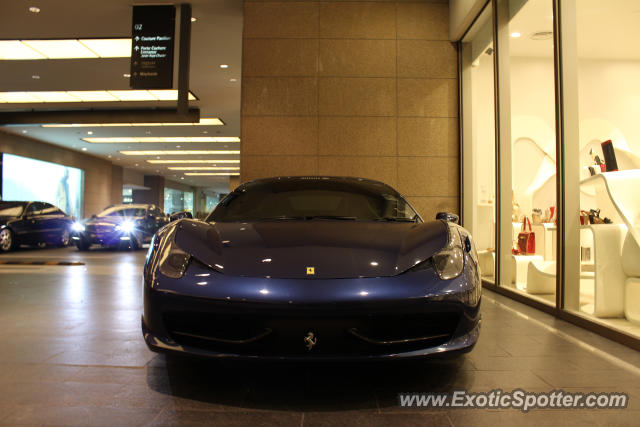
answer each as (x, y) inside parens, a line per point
(203, 122)
(203, 168)
(65, 49)
(35, 77)
(211, 174)
(60, 49)
(173, 161)
(127, 75)
(108, 48)
(176, 152)
(84, 148)
(34, 9)
(156, 139)
(54, 96)
(224, 66)
(13, 49)
(233, 80)
(194, 19)
(91, 96)
(24, 131)
(90, 133)
(515, 35)
(133, 95)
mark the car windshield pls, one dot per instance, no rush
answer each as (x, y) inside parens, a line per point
(123, 211)
(314, 199)
(12, 209)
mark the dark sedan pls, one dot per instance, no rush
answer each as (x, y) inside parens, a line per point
(32, 223)
(306, 268)
(123, 226)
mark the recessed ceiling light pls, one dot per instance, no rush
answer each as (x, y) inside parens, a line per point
(203, 168)
(24, 131)
(127, 75)
(211, 174)
(203, 122)
(90, 133)
(233, 80)
(35, 77)
(157, 139)
(34, 9)
(176, 152)
(178, 146)
(182, 177)
(515, 35)
(65, 49)
(224, 66)
(191, 161)
(88, 95)
(84, 148)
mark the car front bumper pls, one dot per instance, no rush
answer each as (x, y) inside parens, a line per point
(236, 318)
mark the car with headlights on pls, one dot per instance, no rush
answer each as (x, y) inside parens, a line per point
(312, 268)
(121, 226)
(33, 223)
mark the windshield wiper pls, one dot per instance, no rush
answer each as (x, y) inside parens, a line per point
(283, 218)
(310, 217)
(346, 218)
(396, 219)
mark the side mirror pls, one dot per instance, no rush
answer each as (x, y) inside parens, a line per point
(179, 215)
(447, 216)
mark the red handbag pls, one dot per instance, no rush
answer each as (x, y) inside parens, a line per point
(526, 239)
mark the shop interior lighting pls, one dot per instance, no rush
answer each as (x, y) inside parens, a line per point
(90, 96)
(203, 122)
(65, 49)
(177, 152)
(203, 168)
(211, 174)
(191, 161)
(152, 139)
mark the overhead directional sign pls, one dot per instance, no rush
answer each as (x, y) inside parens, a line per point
(152, 42)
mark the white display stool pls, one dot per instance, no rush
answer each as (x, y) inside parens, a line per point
(632, 299)
(519, 267)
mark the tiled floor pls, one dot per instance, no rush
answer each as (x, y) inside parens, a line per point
(71, 353)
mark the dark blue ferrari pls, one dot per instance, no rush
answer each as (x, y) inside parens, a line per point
(302, 268)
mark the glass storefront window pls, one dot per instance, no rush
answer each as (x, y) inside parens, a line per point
(478, 130)
(127, 196)
(527, 147)
(177, 200)
(607, 66)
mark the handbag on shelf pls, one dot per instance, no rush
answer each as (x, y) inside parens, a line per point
(536, 216)
(526, 239)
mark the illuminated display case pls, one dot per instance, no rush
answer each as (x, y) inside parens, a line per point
(538, 131)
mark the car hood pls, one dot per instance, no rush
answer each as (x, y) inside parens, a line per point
(333, 249)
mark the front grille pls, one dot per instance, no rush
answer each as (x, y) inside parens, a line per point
(276, 335)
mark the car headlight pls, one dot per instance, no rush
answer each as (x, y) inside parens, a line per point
(173, 260)
(126, 226)
(449, 262)
(76, 226)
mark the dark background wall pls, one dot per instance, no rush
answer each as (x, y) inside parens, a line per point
(360, 88)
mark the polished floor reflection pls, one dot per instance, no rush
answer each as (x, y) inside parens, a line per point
(72, 354)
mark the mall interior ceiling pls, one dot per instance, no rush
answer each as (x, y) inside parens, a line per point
(216, 38)
(126, 299)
